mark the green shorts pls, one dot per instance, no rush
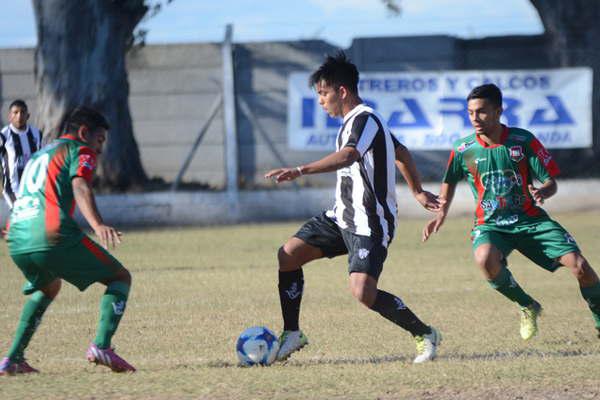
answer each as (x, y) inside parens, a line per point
(543, 241)
(81, 265)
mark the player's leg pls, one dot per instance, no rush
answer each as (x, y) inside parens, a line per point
(550, 246)
(317, 238)
(366, 256)
(43, 288)
(588, 282)
(87, 263)
(490, 251)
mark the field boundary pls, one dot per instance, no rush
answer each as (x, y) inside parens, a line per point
(213, 208)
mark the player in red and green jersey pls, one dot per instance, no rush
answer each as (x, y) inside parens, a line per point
(47, 245)
(500, 165)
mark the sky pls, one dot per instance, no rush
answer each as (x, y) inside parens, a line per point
(336, 21)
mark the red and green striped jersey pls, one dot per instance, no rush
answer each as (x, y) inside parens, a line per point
(42, 216)
(499, 175)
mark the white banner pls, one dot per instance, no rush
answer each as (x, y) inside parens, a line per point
(428, 110)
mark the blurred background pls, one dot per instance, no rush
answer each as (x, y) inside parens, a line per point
(205, 97)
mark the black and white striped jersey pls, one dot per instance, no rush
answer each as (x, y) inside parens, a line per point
(365, 195)
(16, 147)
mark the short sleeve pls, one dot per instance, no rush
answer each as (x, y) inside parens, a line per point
(395, 141)
(454, 170)
(84, 164)
(540, 161)
(362, 133)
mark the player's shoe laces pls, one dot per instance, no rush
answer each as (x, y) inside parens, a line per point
(109, 358)
(289, 342)
(427, 346)
(529, 316)
(8, 367)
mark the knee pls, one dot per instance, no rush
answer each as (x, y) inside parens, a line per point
(364, 293)
(122, 275)
(580, 268)
(51, 290)
(286, 261)
(488, 258)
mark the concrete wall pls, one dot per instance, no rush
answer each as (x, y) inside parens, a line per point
(174, 86)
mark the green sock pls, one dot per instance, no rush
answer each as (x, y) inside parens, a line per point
(506, 284)
(592, 296)
(112, 307)
(31, 316)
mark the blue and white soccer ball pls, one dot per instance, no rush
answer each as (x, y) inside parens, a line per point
(257, 346)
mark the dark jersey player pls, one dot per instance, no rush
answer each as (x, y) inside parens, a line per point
(500, 164)
(362, 221)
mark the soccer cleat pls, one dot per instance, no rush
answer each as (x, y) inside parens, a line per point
(109, 358)
(289, 342)
(529, 316)
(8, 367)
(427, 346)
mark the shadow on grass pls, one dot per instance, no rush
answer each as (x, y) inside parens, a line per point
(492, 356)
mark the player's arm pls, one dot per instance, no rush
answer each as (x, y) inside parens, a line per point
(84, 197)
(408, 169)
(446, 195)
(332, 162)
(547, 190)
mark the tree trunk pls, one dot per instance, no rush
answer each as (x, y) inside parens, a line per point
(80, 60)
(574, 33)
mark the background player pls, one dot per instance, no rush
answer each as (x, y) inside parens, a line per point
(18, 141)
(363, 220)
(500, 163)
(47, 245)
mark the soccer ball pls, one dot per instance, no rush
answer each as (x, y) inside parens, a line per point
(257, 346)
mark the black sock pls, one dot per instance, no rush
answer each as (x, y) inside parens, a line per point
(291, 285)
(393, 309)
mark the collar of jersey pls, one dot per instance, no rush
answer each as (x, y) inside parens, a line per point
(70, 137)
(353, 111)
(503, 138)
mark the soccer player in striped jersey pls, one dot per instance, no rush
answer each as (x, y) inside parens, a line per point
(47, 245)
(362, 222)
(500, 165)
(18, 141)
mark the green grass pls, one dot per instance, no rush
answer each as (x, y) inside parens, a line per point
(195, 290)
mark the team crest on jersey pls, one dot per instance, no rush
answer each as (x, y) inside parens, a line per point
(544, 156)
(516, 153)
(87, 161)
(465, 145)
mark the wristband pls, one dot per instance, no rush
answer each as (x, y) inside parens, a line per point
(299, 169)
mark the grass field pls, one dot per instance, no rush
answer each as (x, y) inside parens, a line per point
(195, 290)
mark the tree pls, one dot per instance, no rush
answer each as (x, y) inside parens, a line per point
(80, 59)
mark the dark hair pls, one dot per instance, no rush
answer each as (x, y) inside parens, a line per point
(337, 71)
(84, 116)
(489, 92)
(18, 103)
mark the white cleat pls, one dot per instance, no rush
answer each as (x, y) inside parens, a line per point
(289, 342)
(427, 346)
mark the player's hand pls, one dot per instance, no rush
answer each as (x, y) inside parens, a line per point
(536, 194)
(433, 226)
(430, 201)
(4, 233)
(109, 236)
(283, 174)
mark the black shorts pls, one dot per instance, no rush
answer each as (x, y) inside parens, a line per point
(365, 253)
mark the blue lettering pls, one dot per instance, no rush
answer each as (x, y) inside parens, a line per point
(420, 120)
(510, 107)
(562, 115)
(461, 112)
(308, 112)
(321, 140)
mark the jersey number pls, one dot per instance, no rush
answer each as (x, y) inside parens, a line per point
(35, 174)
